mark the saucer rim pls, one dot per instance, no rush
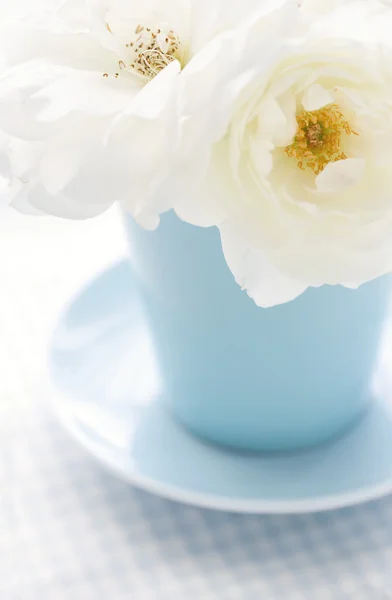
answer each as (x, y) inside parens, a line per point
(345, 499)
(211, 501)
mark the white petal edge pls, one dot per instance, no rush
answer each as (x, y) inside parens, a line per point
(255, 274)
(316, 97)
(339, 176)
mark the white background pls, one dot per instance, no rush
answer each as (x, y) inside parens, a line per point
(43, 261)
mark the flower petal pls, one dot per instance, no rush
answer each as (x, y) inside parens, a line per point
(37, 198)
(74, 141)
(17, 108)
(87, 92)
(254, 272)
(212, 18)
(337, 177)
(101, 27)
(316, 97)
(212, 199)
(153, 98)
(139, 149)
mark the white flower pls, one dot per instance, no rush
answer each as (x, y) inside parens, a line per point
(92, 86)
(75, 67)
(141, 169)
(289, 139)
(73, 70)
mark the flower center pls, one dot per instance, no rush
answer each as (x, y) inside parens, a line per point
(152, 51)
(319, 137)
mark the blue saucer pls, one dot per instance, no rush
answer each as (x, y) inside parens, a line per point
(109, 397)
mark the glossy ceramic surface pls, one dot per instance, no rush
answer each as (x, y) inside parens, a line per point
(246, 377)
(109, 394)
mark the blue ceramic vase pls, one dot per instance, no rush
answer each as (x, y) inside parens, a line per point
(245, 377)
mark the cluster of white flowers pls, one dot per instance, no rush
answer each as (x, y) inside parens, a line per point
(269, 119)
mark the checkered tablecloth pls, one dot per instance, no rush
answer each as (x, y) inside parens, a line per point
(70, 531)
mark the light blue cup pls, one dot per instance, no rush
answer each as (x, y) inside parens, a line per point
(246, 377)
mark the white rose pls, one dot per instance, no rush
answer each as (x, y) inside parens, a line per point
(289, 138)
(140, 153)
(74, 68)
(85, 74)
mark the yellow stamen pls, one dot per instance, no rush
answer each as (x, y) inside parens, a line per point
(318, 139)
(153, 50)
(150, 51)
